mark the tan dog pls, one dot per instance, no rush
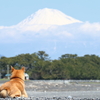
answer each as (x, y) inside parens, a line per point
(15, 87)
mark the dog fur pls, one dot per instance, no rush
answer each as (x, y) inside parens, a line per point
(15, 87)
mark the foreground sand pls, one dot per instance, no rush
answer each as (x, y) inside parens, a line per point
(59, 90)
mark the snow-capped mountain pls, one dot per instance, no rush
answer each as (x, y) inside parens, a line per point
(51, 31)
(45, 18)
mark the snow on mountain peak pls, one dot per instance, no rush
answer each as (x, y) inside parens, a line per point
(44, 18)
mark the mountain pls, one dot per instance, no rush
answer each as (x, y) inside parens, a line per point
(51, 31)
(45, 18)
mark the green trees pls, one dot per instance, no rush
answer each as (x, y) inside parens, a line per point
(68, 66)
(42, 55)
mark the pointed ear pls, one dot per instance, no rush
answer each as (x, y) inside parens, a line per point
(12, 69)
(23, 68)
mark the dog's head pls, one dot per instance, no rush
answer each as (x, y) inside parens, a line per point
(18, 73)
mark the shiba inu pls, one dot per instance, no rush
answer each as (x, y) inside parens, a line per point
(15, 87)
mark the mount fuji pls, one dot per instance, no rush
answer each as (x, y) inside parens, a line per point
(44, 19)
(51, 31)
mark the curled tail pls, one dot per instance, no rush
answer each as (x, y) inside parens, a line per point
(3, 93)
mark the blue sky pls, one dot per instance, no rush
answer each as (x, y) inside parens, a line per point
(84, 38)
(14, 11)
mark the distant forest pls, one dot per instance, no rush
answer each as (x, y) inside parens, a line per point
(40, 66)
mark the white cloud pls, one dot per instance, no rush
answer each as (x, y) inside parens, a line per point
(90, 27)
(73, 32)
(65, 33)
(81, 38)
(1, 27)
(91, 30)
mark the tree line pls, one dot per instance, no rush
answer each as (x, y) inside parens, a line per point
(39, 66)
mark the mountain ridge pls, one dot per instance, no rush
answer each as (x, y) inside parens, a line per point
(44, 18)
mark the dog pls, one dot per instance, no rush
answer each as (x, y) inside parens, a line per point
(15, 87)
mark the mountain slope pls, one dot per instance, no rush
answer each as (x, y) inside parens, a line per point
(44, 18)
(51, 31)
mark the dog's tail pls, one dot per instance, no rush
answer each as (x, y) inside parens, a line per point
(3, 93)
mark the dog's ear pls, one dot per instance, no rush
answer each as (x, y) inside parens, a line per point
(23, 68)
(12, 69)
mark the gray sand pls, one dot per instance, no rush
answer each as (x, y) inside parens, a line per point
(59, 90)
